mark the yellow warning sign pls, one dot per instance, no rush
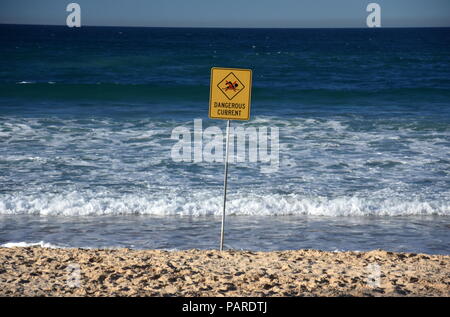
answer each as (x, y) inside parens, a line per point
(230, 93)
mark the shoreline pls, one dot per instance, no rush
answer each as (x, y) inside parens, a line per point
(37, 271)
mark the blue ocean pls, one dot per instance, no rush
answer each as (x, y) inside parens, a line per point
(87, 116)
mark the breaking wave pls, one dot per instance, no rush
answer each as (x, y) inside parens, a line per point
(207, 204)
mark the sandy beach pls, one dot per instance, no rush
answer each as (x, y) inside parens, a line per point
(36, 271)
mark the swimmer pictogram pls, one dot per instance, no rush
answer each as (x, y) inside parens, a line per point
(231, 86)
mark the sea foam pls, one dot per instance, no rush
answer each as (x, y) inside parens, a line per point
(205, 203)
(41, 244)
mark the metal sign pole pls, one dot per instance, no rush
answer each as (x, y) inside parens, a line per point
(225, 185)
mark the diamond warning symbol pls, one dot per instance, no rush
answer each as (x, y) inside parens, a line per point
(231, 86)
(230, 93)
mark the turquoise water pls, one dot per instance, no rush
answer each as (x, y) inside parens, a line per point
(86, 117)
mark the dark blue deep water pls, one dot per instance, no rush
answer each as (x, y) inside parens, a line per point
(87, 115)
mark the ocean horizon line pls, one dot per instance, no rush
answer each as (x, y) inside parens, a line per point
(230, 28)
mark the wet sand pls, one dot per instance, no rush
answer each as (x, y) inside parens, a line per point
(36, 271)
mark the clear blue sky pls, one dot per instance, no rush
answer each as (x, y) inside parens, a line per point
(229, 13)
